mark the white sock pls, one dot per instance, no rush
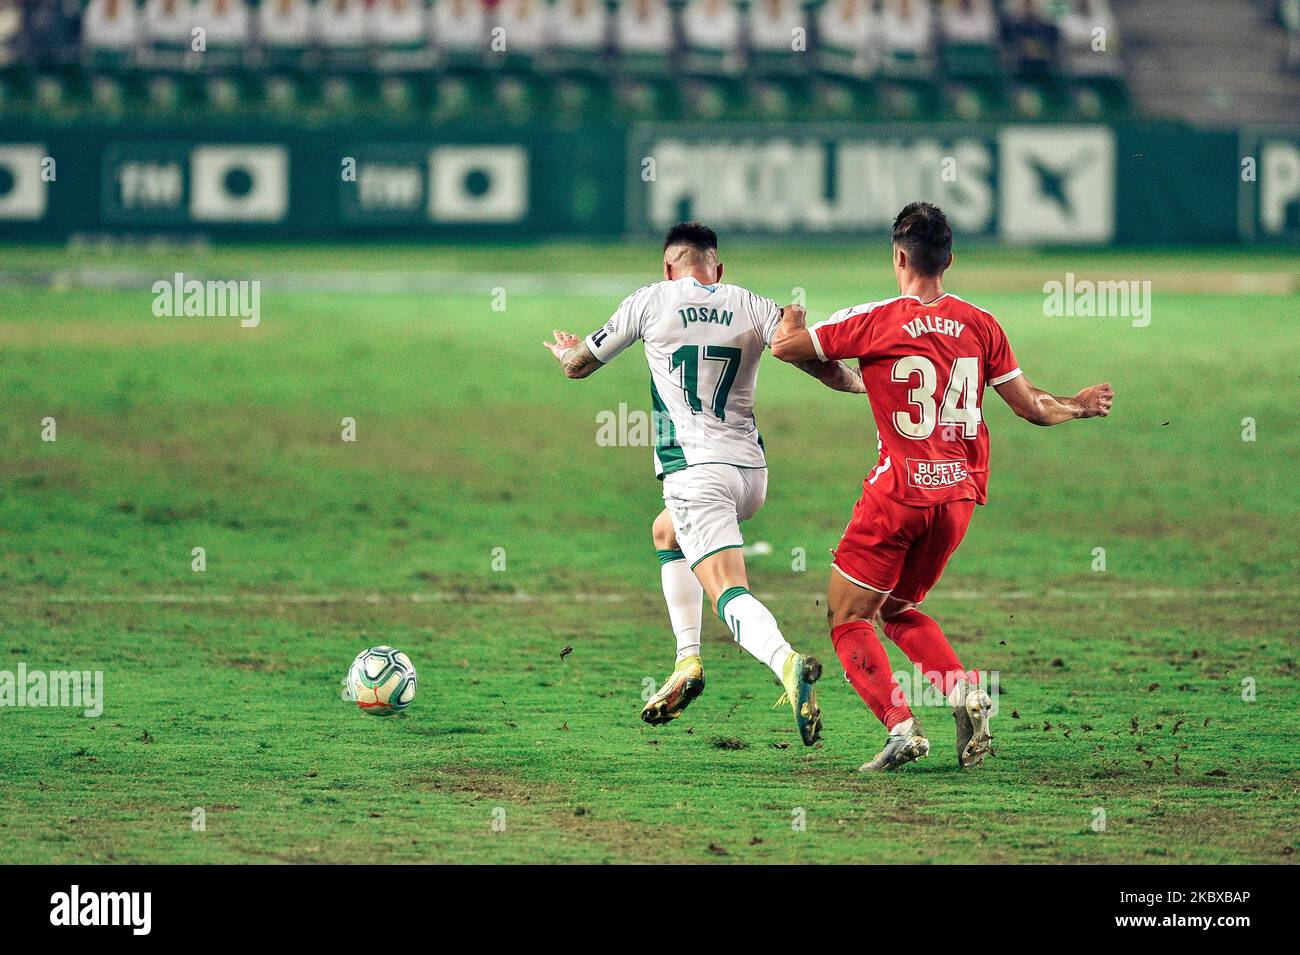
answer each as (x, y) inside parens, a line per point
(684, 596)
(903, 728)
(755, 628)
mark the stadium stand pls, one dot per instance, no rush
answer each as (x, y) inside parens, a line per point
(1288, 14)
(1213, 61)
(566, 60)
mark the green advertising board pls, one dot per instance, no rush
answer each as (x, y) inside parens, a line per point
(1077, 184)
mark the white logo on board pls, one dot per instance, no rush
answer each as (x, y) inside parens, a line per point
(478, 183)
(1279, 186)
(239, 183)
(23, 191)
(1057, 183)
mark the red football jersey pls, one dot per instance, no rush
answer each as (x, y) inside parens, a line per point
(925, 366)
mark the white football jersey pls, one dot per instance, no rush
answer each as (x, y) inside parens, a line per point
(702, 343)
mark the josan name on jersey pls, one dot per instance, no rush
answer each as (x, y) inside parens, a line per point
(703, 344)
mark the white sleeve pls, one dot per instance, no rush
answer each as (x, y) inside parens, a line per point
(835, 319)
(624, 327)
(767, 315)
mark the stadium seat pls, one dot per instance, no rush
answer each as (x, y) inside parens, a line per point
(644, 38)
(908, 40)
(711, 38)
(769, 60)
(848, 38)
(778, 38)
(580, 32)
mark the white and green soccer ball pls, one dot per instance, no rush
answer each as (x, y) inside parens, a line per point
(381, 681)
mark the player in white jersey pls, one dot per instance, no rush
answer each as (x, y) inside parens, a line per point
(703, 341)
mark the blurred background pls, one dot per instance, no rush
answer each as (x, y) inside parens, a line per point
(567, 100)
(448, 60)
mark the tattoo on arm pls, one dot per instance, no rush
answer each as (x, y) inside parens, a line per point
(834, 375)
(579, 362)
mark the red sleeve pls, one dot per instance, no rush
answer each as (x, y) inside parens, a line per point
(1000, 363)
(846, 334)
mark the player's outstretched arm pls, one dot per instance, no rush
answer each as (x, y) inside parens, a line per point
(833, 375)
(793, 344)
(573, 354)
(1038, 407)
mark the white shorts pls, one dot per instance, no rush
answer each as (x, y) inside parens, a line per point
(707, 502)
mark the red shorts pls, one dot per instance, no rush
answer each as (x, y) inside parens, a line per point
(899, 548)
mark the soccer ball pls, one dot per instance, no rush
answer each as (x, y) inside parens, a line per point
(381, 681)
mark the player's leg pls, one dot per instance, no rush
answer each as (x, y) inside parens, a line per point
(707, 515)
(867, 563)
(752, 625)
(851, 609)
(920, 637)
(726, 584)
(708, 524)
(866, 665)
(685, 599)
(682, 591)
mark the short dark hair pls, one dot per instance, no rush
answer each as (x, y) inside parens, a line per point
(698, 236)
(921, 230)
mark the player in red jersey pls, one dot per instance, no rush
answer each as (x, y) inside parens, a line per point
(925, 358)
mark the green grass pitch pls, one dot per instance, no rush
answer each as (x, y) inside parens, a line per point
(1160, 692)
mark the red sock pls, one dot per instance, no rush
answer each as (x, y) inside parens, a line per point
(867, 667)
(925, 645)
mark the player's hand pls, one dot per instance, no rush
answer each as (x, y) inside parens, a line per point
(563, 342)
(795, 315)
(1095, 402)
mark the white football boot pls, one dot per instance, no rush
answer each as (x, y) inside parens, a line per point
(901, 749)
(974, 740)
